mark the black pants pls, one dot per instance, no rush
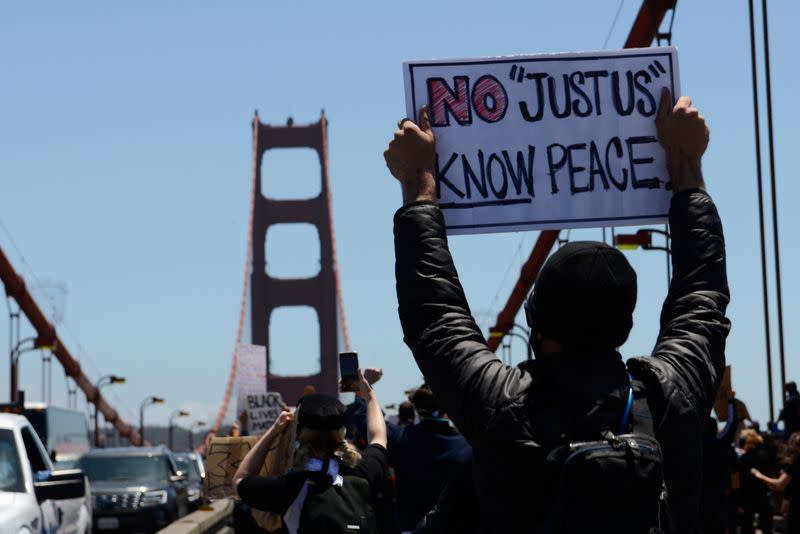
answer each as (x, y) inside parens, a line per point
(794, 516)
(761, 506)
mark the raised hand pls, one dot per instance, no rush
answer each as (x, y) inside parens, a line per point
(411, 156)
(683, 133)
(373, 374)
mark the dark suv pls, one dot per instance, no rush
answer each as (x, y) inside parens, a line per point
(191, 465)
(135, 488)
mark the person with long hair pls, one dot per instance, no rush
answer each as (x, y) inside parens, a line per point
(332, 486)
(790, 473)
(755, 496)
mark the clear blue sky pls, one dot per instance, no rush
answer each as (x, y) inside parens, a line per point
(125, 161)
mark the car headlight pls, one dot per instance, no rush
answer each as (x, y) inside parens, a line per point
(194, 494)
(153, 498)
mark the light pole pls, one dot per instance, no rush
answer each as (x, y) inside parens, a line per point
(146, 402)
(527, 338)
(644, 238)
(176, 413)
(196, 424)
(19, 350)
(106, 380)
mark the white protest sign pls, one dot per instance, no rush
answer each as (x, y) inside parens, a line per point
(547, 141)
(260, 407)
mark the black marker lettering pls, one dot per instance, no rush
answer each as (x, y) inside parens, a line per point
(596, 166)
(499, 193)
(623, 110)
(471, 178)
(522, 174)
(576, 80)
(647, 96)
(616, 143)
(442, 179)
(595, 75)
(523, 106)
(555, 166)
(573, 170)
(551, 90)
(647, 183)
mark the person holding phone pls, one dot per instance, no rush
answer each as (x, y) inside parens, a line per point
(332, 486)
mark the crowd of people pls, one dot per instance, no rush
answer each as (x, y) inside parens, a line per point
(575, 440)
(748, 471)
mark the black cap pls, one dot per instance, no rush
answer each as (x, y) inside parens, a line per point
(584, 297)
(320, 412)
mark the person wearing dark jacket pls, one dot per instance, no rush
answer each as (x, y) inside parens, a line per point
(424, 456)
(790, 413)
(755, 496)
(719, 463)
(580, 312)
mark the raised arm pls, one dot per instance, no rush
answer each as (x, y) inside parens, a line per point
(693, 323)
(254, 460)
(467, 379)
(376, 424)
(775, 484)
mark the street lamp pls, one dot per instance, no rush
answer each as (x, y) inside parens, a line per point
(644, 238)
(196, 424)
(526, 338)
(19, 350)
(510, 333)
(146, 402)
(176, 413)
(106, 380)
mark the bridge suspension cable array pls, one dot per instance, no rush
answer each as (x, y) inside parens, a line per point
(16, 289)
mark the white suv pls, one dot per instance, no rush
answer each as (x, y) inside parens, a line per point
(33, 497)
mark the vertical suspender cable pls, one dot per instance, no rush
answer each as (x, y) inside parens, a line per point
(764, 286)
(776, 240)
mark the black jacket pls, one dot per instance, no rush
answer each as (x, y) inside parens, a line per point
(511, 416)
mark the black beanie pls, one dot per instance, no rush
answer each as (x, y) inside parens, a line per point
(320, 412)
(584, 297)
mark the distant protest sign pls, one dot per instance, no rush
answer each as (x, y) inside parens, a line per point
(260, 407)
(547, 141)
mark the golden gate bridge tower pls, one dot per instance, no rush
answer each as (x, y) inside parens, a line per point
(321, 292)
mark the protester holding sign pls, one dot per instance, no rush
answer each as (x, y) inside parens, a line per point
(332, 486)
(578, 389)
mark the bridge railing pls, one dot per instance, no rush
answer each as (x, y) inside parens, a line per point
(208, 519)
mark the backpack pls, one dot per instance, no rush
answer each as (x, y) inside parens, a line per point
(614, 484)
(345, 509)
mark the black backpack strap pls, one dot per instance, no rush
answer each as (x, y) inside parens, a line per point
(642, 418)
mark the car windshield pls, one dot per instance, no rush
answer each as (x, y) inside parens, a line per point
(186, 465)
(133, 468)
(10, 470)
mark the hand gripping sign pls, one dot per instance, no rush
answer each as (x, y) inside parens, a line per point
(547, 141)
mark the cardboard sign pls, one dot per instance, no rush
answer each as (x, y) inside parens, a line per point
(547, 141)
(262, 411)
(223, 457)
(256, 409)
(222, 460)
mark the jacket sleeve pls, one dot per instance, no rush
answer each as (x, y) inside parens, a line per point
(466, 377)
(691, 342)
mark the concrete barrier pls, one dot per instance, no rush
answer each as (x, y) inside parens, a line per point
(211, 518)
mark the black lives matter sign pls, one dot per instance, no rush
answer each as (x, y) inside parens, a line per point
(547, 141)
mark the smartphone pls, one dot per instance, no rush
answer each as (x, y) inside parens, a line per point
(348, 370)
